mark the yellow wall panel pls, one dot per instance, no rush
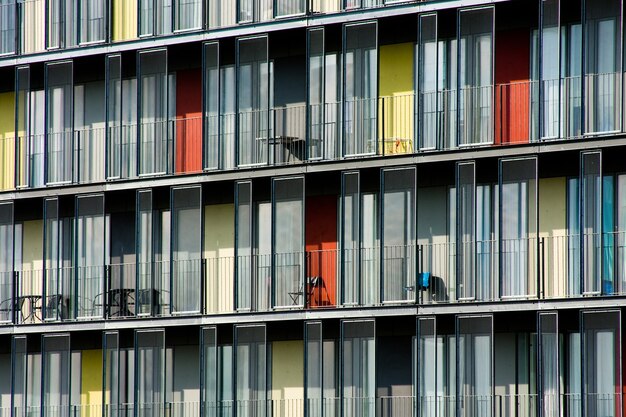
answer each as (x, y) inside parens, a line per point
(124, 20)
(552, 227)
(219, 252)
(91, 382)
(7, 141)
(396, 80)
(288, 377)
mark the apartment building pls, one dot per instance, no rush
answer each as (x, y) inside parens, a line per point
(312, 208)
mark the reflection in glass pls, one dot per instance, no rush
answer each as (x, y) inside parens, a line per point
(150, 364)
(251, 373)
(253, 93)
(518, 216)
(59, 98)
(360, 93)
(358, 367)
(90, 255)
(399, 254)
(602, 373)
(475, 359)
(289, 286)
(56, 365)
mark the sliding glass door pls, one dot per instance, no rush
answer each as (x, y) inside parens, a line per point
(290, 289)
(58, 292)
(602, 365)
(90, 252)
(155, 144)
(59, 122)
(518, 227)
(475, 366)
(253, 101)
(56, 367)
(150, 373)
(186, 247)
(475, 116)
(398, 234)
(603, 66)
(7, 239)
(360, 88)
(548, 365)
(251, 377)
(358, 369)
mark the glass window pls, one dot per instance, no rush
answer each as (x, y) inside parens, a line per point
(290, 7)
(350, 239)
(358, 353)
(62, 25)
(111, 374)
(427, 397)
(209, 371)
(314, 363)
(427, 61)
(549, 381)
(251, 373)
(253, 92)
(550, 70)
(398, 234)
(154, 135)
(212, 142)
(58, 297)
(591, 220)
(255, 10)
(221, 13)
(243, 195)
(603, 78)
(155, 17)
(360, 94)
(518, 217)
(114, 115)
(8, 18)
(19, 375)
(476, 76)
(602, 382)
(475, 361)
(466, 230)
(150, 371)
(60, 106)
(146, 301)
(289, 289)
(89, 132)
(90, 242)
(186, 248)
(6, 261)
(316, 92)
(188, 15)
(93, 21)
(56, 364)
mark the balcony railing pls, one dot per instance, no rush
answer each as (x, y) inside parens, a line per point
(505, 405)
(529, 268)
(504, 114)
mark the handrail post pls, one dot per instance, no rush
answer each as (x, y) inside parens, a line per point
(14, 296)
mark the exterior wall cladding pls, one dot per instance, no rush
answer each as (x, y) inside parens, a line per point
(312, 208)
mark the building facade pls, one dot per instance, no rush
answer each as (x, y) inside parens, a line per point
(312, 208)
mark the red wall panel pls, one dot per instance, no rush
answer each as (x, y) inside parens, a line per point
(321, 248)
(189, 120)
(512, 95)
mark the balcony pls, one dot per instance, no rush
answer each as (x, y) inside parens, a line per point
(389, 126)
(512, 405)
(532, 268)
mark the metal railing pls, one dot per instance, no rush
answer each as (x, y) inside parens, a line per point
(503, 114)
(545, 267)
